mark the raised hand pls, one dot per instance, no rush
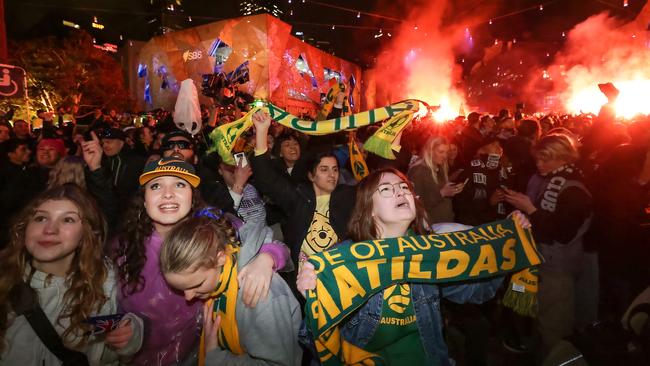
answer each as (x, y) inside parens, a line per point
(92, 152)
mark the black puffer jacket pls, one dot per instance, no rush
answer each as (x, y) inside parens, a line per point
(298, 201)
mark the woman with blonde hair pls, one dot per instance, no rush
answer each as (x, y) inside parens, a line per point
(68, 170)
(430, 178)
(55, 251)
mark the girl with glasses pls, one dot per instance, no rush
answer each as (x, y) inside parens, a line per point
(402, 323)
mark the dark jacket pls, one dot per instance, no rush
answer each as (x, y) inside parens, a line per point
(115, 182)
(438, 208)
(18, 185)
(564, 213)
(100, 186)
(214, 190)
(620, 230)
(517, 149)
(470, 141)
(472, 205)
(298, 201)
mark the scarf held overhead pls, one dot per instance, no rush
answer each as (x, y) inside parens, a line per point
(398, 116)
(348, 275)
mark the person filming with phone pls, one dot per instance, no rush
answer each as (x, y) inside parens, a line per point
(247, 201)
(430, 177)
(483, 199)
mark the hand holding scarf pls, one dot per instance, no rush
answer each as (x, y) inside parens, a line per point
(349, 275)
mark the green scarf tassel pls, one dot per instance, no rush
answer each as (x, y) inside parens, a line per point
(379, 147)
(521, 295)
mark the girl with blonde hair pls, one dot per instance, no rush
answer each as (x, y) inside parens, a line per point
(201, 258)
(56, 249)
(561, 208)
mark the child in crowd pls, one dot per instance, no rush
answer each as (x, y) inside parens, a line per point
(201, 258)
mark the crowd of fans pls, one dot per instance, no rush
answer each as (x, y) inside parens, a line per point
(581, 181)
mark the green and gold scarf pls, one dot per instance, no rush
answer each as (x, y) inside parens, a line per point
(331, 96)
(348, 275)
(398, 115)
(521, 295)
(357, 162)
(224, 304)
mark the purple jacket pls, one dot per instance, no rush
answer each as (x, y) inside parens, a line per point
(172, 326)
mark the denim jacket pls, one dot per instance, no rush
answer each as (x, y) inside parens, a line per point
(361, 327)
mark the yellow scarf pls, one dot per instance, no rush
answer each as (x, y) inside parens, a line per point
(332, 94)
(226, 302)
(357, 162)
(381, 142)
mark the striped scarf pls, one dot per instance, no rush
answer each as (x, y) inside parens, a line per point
(348, 275)
(398, 116)
(224, 302)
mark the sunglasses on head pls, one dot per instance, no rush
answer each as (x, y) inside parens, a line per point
(182, 144)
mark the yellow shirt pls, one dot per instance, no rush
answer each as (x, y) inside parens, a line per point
(320, 235)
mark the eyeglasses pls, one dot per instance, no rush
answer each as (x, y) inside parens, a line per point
(388, 190)
(181, 144)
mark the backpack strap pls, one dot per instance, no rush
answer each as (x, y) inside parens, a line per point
(25, 302)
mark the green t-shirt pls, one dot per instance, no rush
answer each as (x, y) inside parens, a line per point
(397, 339)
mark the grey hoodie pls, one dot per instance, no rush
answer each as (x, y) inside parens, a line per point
(268, 333)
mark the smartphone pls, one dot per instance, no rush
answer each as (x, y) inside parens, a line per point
(240, 159)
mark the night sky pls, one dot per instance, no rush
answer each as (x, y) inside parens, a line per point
(134, 19)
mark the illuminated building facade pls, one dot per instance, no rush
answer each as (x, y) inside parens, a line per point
(252, 7)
